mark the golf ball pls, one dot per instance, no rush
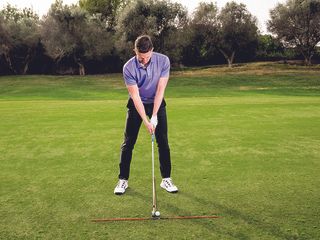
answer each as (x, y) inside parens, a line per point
(157, 213)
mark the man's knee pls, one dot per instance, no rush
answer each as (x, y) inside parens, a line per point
(128, 144)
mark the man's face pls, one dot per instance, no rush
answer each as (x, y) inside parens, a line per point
(143, 58)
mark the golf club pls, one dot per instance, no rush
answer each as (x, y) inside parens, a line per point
(155, 213)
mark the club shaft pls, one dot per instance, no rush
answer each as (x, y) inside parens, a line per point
(154, 198)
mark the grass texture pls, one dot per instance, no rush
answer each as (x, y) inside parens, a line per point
(244, 145)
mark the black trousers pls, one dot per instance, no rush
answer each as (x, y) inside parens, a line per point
(133, 123)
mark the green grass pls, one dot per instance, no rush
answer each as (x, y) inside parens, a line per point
(244, 144)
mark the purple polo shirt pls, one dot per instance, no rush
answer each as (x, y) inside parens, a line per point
(146, 78)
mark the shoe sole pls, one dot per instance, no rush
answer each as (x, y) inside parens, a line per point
(118, 193)
(173, 191)
(169, 191)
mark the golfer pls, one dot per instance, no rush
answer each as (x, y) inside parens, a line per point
(146, 76)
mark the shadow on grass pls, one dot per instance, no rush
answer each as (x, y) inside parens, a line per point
(224, 212)
(211, 225)
(272, 230)
(208, 224)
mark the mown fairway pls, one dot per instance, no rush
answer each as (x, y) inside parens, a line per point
(245, 146)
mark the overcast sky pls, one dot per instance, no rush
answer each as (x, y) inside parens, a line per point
(260, 9)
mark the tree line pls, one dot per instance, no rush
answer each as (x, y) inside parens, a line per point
(97, 36)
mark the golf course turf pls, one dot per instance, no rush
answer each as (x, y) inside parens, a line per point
(245, 146)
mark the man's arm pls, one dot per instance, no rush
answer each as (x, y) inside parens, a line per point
(159, 94)
(134, 94)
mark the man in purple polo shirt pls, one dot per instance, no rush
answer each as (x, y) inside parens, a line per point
(146, 76)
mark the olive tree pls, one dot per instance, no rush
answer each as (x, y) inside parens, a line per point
(107, 10)
(160, 19)
(69, 31)
(4, 44)
(19, 37)
(270, 48)
(237, 31)
(203, 35)
(297, 24)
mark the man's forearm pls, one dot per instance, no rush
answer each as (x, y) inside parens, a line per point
(159, 95)
(134, 94)
(157, 102)
(140, 108)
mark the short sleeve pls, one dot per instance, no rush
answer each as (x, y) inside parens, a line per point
(128, 76)
(166, 68)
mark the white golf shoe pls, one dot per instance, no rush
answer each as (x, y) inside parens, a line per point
(168, 185)
(121, 187)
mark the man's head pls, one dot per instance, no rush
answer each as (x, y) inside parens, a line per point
(143, 48)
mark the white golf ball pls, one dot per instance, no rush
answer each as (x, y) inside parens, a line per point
(157, 213)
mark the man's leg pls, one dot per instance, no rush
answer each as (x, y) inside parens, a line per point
(133, 123)
(164, 150)
(163, 145)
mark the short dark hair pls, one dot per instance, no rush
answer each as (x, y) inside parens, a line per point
(143, 44)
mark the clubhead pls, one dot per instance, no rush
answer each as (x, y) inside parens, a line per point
(155, 214)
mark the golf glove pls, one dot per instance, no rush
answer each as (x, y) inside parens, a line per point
(154, 121)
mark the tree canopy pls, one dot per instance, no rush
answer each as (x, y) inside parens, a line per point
(97, 36)
(107, 10)
(203, 34)
(19, 35)
(69, 31)
(160, 19)
(237, 31)
(297, 24)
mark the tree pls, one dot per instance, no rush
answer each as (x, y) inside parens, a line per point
(160, 19)
(269, 48)
(169, 17)
(69, 31)
(5, 43)
(108, 10)
(237, 31)
(203, 32)
(297, 24)
(19, 35)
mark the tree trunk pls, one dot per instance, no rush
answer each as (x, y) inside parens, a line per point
(307, 60)
(307, 56)
(229, 59)
(26, 65)
(25, 69)
(8, 59)
(82, 70)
